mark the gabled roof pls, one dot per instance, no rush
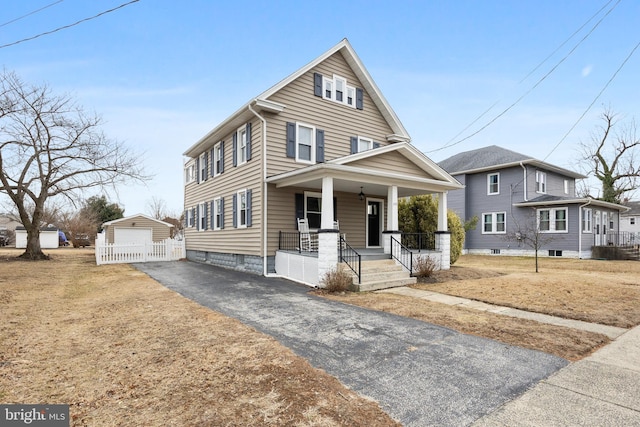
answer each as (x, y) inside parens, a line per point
(349, 176)
(493, 158)
(634, 208)
(262, 102)
(128, 218)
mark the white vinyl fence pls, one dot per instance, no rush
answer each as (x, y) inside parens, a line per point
(113, 253)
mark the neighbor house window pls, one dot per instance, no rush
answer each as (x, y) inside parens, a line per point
(218, 213)
(566, 186)
(494, 223)
(587, 219)
(552, 220)
(305, 143)
(541, 182)
(493, 183)
(313, 209)
(632, 221)
(218, 158)
(203, 163)
(190, 172)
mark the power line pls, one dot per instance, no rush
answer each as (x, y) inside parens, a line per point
(70, 25)
(503, 112)
(31, 13)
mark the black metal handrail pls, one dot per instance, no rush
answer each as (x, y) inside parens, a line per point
(402, 254)
(351, 257)
(619, 238)
(419, 241)
(291, 241)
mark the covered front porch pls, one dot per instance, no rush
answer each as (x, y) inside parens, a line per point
(351, 208)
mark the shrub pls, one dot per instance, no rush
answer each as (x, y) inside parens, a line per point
(456, 227)
(336, 280)
(424, 266)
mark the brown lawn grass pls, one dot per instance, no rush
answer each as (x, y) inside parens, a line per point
(123, 350)
(606, 292)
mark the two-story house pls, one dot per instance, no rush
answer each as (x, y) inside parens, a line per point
(322, 145)
(510, 193)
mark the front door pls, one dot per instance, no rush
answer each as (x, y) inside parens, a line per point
(374, 223)
(597, 228)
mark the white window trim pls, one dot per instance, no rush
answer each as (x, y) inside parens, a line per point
(189, 217)
(552, 220)
(494, 222)
(308, 194)
(239, 208)
(217, 158)
(216, 208)
(566, 186)
(489, 175)
(587, 226)
(313, 143)
(242, 151)
(541, 182)
(333, 83)
(365, 140)
(202, 173)
(201, 221)
(189, 172)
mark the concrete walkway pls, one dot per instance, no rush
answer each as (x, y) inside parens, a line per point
(610, 331)
(421, 374)
(600, 390)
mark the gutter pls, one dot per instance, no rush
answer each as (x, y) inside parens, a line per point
(263, 236)
(580, 226)
(524, 192)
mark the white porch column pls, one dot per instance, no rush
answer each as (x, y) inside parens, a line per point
(443, 236)
(392, 218)
(327, 236)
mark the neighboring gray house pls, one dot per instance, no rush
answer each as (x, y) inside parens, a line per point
(630, 220)
(510, 192)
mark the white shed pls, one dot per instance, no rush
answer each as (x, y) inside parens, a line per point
(48, 238)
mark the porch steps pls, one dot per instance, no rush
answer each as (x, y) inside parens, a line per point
(381, 274)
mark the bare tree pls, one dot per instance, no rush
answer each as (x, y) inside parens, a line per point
(51, 148)
(79, 226)
(612, 157)
(157, 208)
(529, 233)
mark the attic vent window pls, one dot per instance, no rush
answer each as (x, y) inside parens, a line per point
(338, 90)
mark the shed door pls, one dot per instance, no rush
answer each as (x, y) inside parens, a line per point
(132, 235)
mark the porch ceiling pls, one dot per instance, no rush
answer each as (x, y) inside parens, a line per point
(349, 179)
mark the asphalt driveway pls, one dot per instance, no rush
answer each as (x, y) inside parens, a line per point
(421, 374)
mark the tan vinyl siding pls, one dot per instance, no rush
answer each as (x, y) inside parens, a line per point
(159, 231)
(392, 162)
(246, 176)
(340, 122)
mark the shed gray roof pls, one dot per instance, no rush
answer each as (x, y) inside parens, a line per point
(494, 157)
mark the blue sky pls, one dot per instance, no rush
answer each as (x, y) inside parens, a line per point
(163, 73)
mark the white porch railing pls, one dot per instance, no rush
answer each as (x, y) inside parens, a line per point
(113, 253)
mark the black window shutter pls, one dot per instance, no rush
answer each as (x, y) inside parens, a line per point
(291, 140)
(192, 220)
(319, 146)
(317, 84)
(235, 149)
(235, 210)
(249, 222)
(248, 141)
(221, 157)
(198, 169)
(354, 144)
(213, 215)
(213, 163)
(359, 99)
(205, 215)
(205, 167)
(376, 144)
(299, 207)
(221, 212)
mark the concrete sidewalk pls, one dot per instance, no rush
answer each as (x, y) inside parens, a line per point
(610, 331)
(600, 390)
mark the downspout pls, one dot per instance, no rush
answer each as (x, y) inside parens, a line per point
(580, 227)
(263, 236)
(524, 190)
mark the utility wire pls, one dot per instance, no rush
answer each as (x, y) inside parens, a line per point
(503, 112)
(31, 13)
(70, 25)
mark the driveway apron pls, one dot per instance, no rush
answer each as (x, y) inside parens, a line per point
(421, 374)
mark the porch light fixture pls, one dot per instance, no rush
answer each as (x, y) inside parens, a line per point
(361, 195)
